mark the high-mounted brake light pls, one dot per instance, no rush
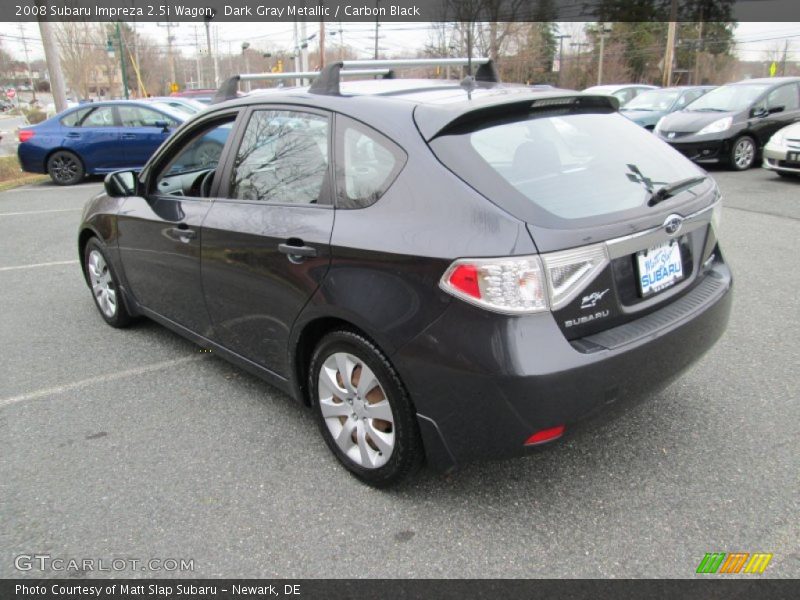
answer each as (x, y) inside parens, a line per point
(25, 134)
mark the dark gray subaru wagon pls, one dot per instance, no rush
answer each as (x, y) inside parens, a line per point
(443, 271)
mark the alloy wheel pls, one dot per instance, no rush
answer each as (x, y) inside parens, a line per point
(744, 153)
(102, 284)
(356, 410)
(64, 168)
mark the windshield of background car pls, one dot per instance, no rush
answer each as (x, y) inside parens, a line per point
(572, 169)
(728, 98)
(655, 100)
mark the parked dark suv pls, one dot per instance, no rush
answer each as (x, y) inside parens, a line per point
(443, 271)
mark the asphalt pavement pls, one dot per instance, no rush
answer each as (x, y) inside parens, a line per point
(134, 444)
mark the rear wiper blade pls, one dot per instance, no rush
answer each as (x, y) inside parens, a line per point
(668, 191)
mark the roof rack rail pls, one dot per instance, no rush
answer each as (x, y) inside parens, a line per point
(230, 87)
(327, 83)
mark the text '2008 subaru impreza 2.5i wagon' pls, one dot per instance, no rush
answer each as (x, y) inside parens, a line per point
(441, 270)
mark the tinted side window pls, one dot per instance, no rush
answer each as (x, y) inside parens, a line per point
(785, 96)
(138, 116)
(74, 118)
(283, 158)
(99, 117)
(367, 164)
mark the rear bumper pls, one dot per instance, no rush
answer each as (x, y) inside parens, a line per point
(31, 158)
(483, 383)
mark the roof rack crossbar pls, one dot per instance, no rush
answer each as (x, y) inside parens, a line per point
(230, 87)
(327, 83)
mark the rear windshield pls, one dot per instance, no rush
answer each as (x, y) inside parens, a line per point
(569, 168)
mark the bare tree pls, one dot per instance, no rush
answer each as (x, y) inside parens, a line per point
(75, 39)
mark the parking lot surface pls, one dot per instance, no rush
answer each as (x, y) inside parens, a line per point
(135, 444)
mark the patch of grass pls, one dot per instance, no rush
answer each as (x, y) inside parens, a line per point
(11, 175)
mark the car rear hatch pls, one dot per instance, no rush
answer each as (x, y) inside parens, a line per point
(621, 220)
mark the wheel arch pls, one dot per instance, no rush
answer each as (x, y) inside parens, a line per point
(84, 236)
(63, 149)
(307, 338)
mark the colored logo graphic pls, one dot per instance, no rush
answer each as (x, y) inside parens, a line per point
(734, 562)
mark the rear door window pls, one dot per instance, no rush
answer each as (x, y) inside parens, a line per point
(367, 164)
(102, 116)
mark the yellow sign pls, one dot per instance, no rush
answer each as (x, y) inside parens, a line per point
(773, 68)
(174, 87)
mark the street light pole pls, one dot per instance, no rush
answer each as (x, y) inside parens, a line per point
(245, 46)
(561, 39)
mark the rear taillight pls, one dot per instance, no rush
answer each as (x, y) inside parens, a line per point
(508, 285)
(569, 271)
(525, 284)
(25, 134)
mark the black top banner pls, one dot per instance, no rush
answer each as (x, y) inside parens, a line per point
(399, 10)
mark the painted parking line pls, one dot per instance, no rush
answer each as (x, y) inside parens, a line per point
(60, 389)
(37, 265)
(39, 212)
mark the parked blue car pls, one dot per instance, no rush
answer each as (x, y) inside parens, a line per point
(648, 107)
(97, 138)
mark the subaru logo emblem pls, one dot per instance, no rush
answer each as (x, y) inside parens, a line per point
(671, 134)
(673, 224)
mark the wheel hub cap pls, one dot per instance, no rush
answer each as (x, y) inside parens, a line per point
(356, 410)
(103, 288)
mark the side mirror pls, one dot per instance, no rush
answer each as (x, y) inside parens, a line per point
(758, 111)
(121, 183)
(163, 124)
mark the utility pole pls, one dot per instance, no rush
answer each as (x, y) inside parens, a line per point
(377, 25)
(783, 61)
(580, 46)
(213, 56)
(122, 62)
(245, 46)
(561, 39)
(28, 60)
(697, 52)
(51, 56)
(602, 52)
(321, 43)
(198, 52)
(669, 54)
(170, 52)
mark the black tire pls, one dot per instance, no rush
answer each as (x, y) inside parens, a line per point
(65, 168)
(119, 317)
(743, 154)
(407, 453)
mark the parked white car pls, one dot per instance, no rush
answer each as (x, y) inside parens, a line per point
(782, 152)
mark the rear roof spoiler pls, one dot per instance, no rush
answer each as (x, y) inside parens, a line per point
(435, 119)
(326, 82)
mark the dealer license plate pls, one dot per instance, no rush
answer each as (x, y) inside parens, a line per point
(659, 267)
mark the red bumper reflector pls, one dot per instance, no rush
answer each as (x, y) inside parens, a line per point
(545, 435)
